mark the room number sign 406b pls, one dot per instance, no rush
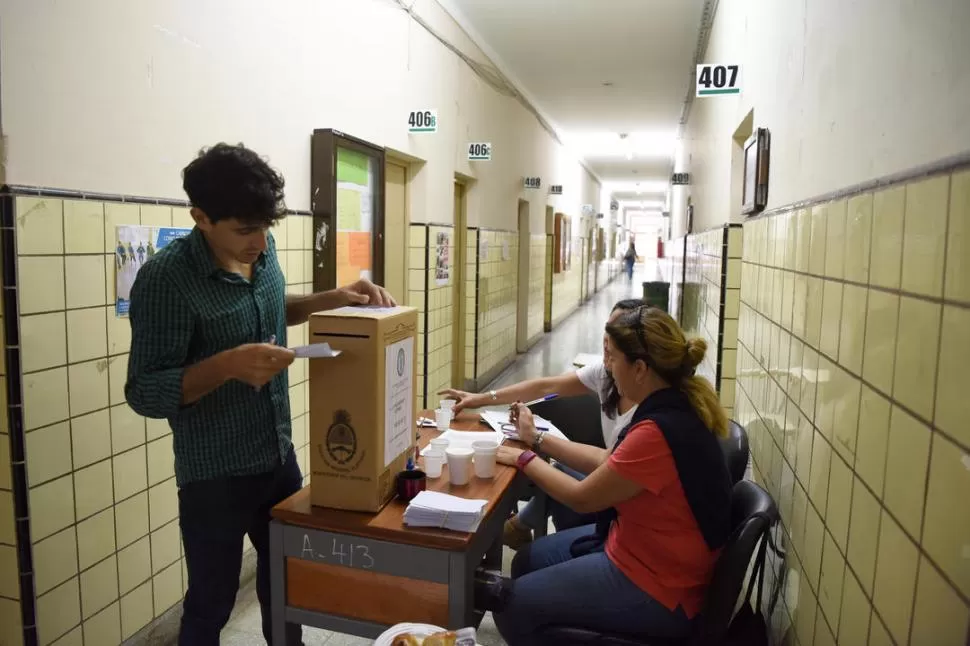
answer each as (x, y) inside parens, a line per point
(423, 121)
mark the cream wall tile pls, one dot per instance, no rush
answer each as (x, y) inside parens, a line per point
(917, 345)
(92, 488)
(115, 214)
(43, 339)
(48, 453)
(55, 560)
(805, 613)
(130, 473)
(814, 540)
(41, 284)
(895, 578)
(58, 611)
(854, 618)
(132, 519)
(7, 533)
(96, 538)
(880, 341)
(86, 334)
(117, 375)
(85, 280)
(163, 503)
(823, 634)
(924, 236)
(818, 482)
(156, 215)
(831, 318)
(134, 565)
(816, 256)
(873, 440)
(167, 588)
(878, 634)
(863, 534)
(835, 240)
(156, 428)
(852, 328)
(952, 403)
(945, 530)
(88, 386)
(182, 217)
(137, 609)
(127, 429)
(9, 575)
(813, 312)
(831, 582)
(104, 627)
(83, 226)
(906, 464)
(90, 438)
(11, 629)
(51, 508)
(165, 546)
(119, 332)
(99, 587)
(839, 504)
(957, 283)
(40, 226)
(885, 267)
(295, 234)
(73, 637)
(940, 618)
(161, 464)
(858, 238)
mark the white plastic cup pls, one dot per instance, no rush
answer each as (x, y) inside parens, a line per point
(485, 452)
(459, 465)
(442, 419)
(446, 404)
(439, 444)
(434, 460)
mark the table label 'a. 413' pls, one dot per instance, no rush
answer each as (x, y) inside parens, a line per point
(340, 552)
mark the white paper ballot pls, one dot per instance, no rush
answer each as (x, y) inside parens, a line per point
(315, 351)
(434, 509)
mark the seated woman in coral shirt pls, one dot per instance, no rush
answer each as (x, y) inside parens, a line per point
(662, 496)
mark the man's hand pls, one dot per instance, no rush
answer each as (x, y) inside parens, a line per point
(257, 363)
(364, 292)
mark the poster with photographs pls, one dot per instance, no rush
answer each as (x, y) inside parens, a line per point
(442, 264)
(135, 245)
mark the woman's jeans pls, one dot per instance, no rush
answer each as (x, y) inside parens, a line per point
(629, 269)
(551, 588)
(535, 512)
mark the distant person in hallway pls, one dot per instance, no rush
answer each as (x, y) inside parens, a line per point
(662, 497)
(209, 314)
(630, 258)
(616, 413)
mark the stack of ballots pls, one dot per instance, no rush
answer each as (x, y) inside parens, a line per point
(434, 509)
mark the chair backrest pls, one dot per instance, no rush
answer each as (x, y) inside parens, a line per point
(735, 448)
(752, 513)
(577, 417)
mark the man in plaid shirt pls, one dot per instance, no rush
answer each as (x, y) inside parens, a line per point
(208, 317)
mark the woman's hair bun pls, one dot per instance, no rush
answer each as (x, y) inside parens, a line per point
(696, 349)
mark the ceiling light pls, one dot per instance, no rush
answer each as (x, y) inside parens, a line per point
(653, 187)
(619, 145)
(629, 156)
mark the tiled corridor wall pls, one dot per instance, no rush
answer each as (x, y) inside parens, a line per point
(10, 622)
(417, 274)
(711, 304)
(672, 268)
(537, 278)
(567, 286)
(497, 291)
(854, 343)
(440, 317)
(106, 547)
(472, 261)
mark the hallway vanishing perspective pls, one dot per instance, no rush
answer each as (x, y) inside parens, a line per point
(791, 180)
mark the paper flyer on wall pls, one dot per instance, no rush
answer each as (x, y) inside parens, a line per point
(134, 246)
(398, 398)
(442, 265)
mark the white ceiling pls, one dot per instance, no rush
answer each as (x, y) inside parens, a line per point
(560, 53)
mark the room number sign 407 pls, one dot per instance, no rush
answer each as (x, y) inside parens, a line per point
(718, 80)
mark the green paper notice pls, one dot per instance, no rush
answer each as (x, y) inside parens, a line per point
(353, 167)
(348, 210)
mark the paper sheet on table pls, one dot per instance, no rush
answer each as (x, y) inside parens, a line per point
(435, 509)
(499, 421)
(464, 439)
(316, 351)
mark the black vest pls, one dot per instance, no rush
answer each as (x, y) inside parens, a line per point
(700, 466)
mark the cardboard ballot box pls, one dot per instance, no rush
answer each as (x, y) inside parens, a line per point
(361, 405)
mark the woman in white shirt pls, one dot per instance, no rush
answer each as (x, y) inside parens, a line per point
(616, 413)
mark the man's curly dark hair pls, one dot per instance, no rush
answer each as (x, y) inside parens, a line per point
(227, 181)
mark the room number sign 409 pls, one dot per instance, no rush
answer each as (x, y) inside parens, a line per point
(717, 80)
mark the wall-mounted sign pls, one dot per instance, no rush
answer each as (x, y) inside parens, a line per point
(715, 80)
(614, 205)
(423, 121)
(599, 216)
(588, 209)
(532, 182)
(680, 179)
(479, 151)
(555, 189)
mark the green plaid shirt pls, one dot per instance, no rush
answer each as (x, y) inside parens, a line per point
(184, 309)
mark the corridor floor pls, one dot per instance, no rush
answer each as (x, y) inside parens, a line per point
(581, 332)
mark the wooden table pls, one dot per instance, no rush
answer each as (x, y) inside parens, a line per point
(360, 573)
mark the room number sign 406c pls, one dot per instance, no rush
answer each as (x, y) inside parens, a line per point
(479, 151)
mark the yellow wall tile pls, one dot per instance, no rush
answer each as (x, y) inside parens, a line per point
(888, 207)
(130, 473)
(83, 226)
(9, 574)
(940, 618)
(55, 560)
(957, 283)
(880, 341)
(895, 578)
(816, 256)
(99, 587)
(92, 489)
(104, 627)
(7, 533)
(48, 453)
(854, 618)
(879, 634)
(906, 464)
(41, 281)
(134, 565)
(90, 438)
(156, 215)
(165, 547)
(162, 503)
(835, 239)
(11, 630)
(814, 540)
(40, 226)
(132, 519)
(858, 238)
(863, 534)
(952, 403)
(840, 503)
(831, 582)
(137, 610)
(58, 611)
(917, 344)
(823, 634)
(818, 482)
(51, 507)
(88, 386)
(945, 530)
(167, 588)
(96, 538)
(43, 339)
(86, 334)
(805, 612)
(161, 466)
(924, 236)
(117, 214)
(127, 429)
(85, 280)
(873, 439)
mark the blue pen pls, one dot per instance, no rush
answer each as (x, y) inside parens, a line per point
(541, 399)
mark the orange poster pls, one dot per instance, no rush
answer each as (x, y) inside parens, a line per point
(359, 249)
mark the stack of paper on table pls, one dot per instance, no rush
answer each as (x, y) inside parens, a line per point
(434, 509)
(499, 421)
(464, 439)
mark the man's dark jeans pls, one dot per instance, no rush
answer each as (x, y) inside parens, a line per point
(214, 516)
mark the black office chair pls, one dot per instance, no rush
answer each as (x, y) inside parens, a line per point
(752, 513)
(577, 417)
(736, 451)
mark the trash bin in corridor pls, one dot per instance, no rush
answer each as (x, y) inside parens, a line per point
(657, 293)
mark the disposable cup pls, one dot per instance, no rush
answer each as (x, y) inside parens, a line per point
(459, 465)
(433, 461)
(440, 444)
(446, 404)
(485, 452)
(442, 418)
